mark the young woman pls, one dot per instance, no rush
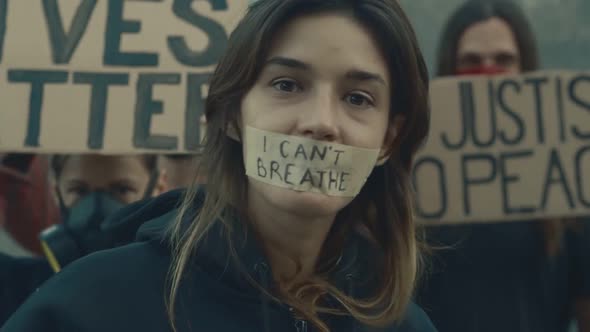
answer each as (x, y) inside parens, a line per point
(507, 276)
(256, 253)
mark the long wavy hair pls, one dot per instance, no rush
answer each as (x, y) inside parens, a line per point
(384, 206)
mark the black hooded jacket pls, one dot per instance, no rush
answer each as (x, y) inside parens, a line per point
(124, 289)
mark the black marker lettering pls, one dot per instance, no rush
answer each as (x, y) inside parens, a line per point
(483, 143)
(288, 173)
(469, 181)
(467, 106)
(518, 121)
(146, 107)
(274, 169)
(116, 26)
(300, 150)
(341, 187)
(506, 179)
(264, 143)
(536, 83)
(63, 44)
(585, 104)
(321, 173)
(582, 178)
(183, 9)
(559, 107)
(261, 169)
(37, 79)
(555, 164)
(3, 17)
(307, 177)
(195, 108)
(99, 95)
(332, 180)
(442, 186)
(315, 150)
(282, 149)
(338, 152)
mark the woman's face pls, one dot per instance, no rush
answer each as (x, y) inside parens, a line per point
(324, 79)
(488, 44)
(124, 178)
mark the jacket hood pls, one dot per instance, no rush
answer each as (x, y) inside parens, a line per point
(148, 221)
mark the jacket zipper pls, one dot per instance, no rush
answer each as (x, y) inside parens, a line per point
(301, 325)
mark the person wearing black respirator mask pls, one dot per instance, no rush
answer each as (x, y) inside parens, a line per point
(89, 188)
(87, 195)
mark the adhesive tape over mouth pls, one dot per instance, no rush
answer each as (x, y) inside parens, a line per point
(304, 164)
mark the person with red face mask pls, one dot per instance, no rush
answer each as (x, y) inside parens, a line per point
(26, 202)
(506, 276)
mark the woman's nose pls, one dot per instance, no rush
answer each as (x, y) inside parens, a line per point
(319, 120)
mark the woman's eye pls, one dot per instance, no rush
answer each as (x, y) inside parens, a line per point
(358, 99)
(285, 85)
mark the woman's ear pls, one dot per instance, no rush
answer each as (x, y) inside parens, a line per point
(234, 128)
(232, 132)
(390, 136)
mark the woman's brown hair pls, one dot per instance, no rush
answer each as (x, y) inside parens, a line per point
(383, 207)
(477, 11)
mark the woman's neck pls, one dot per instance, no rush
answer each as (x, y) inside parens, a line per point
(292, 243)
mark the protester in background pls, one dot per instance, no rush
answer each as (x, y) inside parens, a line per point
(26, 202)
(487, 37)
(89, 188)
(180, 169)
(252, 256)
(507, 276)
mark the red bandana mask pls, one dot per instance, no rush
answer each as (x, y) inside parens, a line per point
(481, 70)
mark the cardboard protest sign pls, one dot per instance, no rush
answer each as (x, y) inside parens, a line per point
(123, 76)
(109, 76)
(506, 148)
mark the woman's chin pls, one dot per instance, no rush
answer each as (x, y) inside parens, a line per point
(304, 203)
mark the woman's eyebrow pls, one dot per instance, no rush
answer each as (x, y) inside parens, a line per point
(288, 62)
(355, 75)
(361, 75)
